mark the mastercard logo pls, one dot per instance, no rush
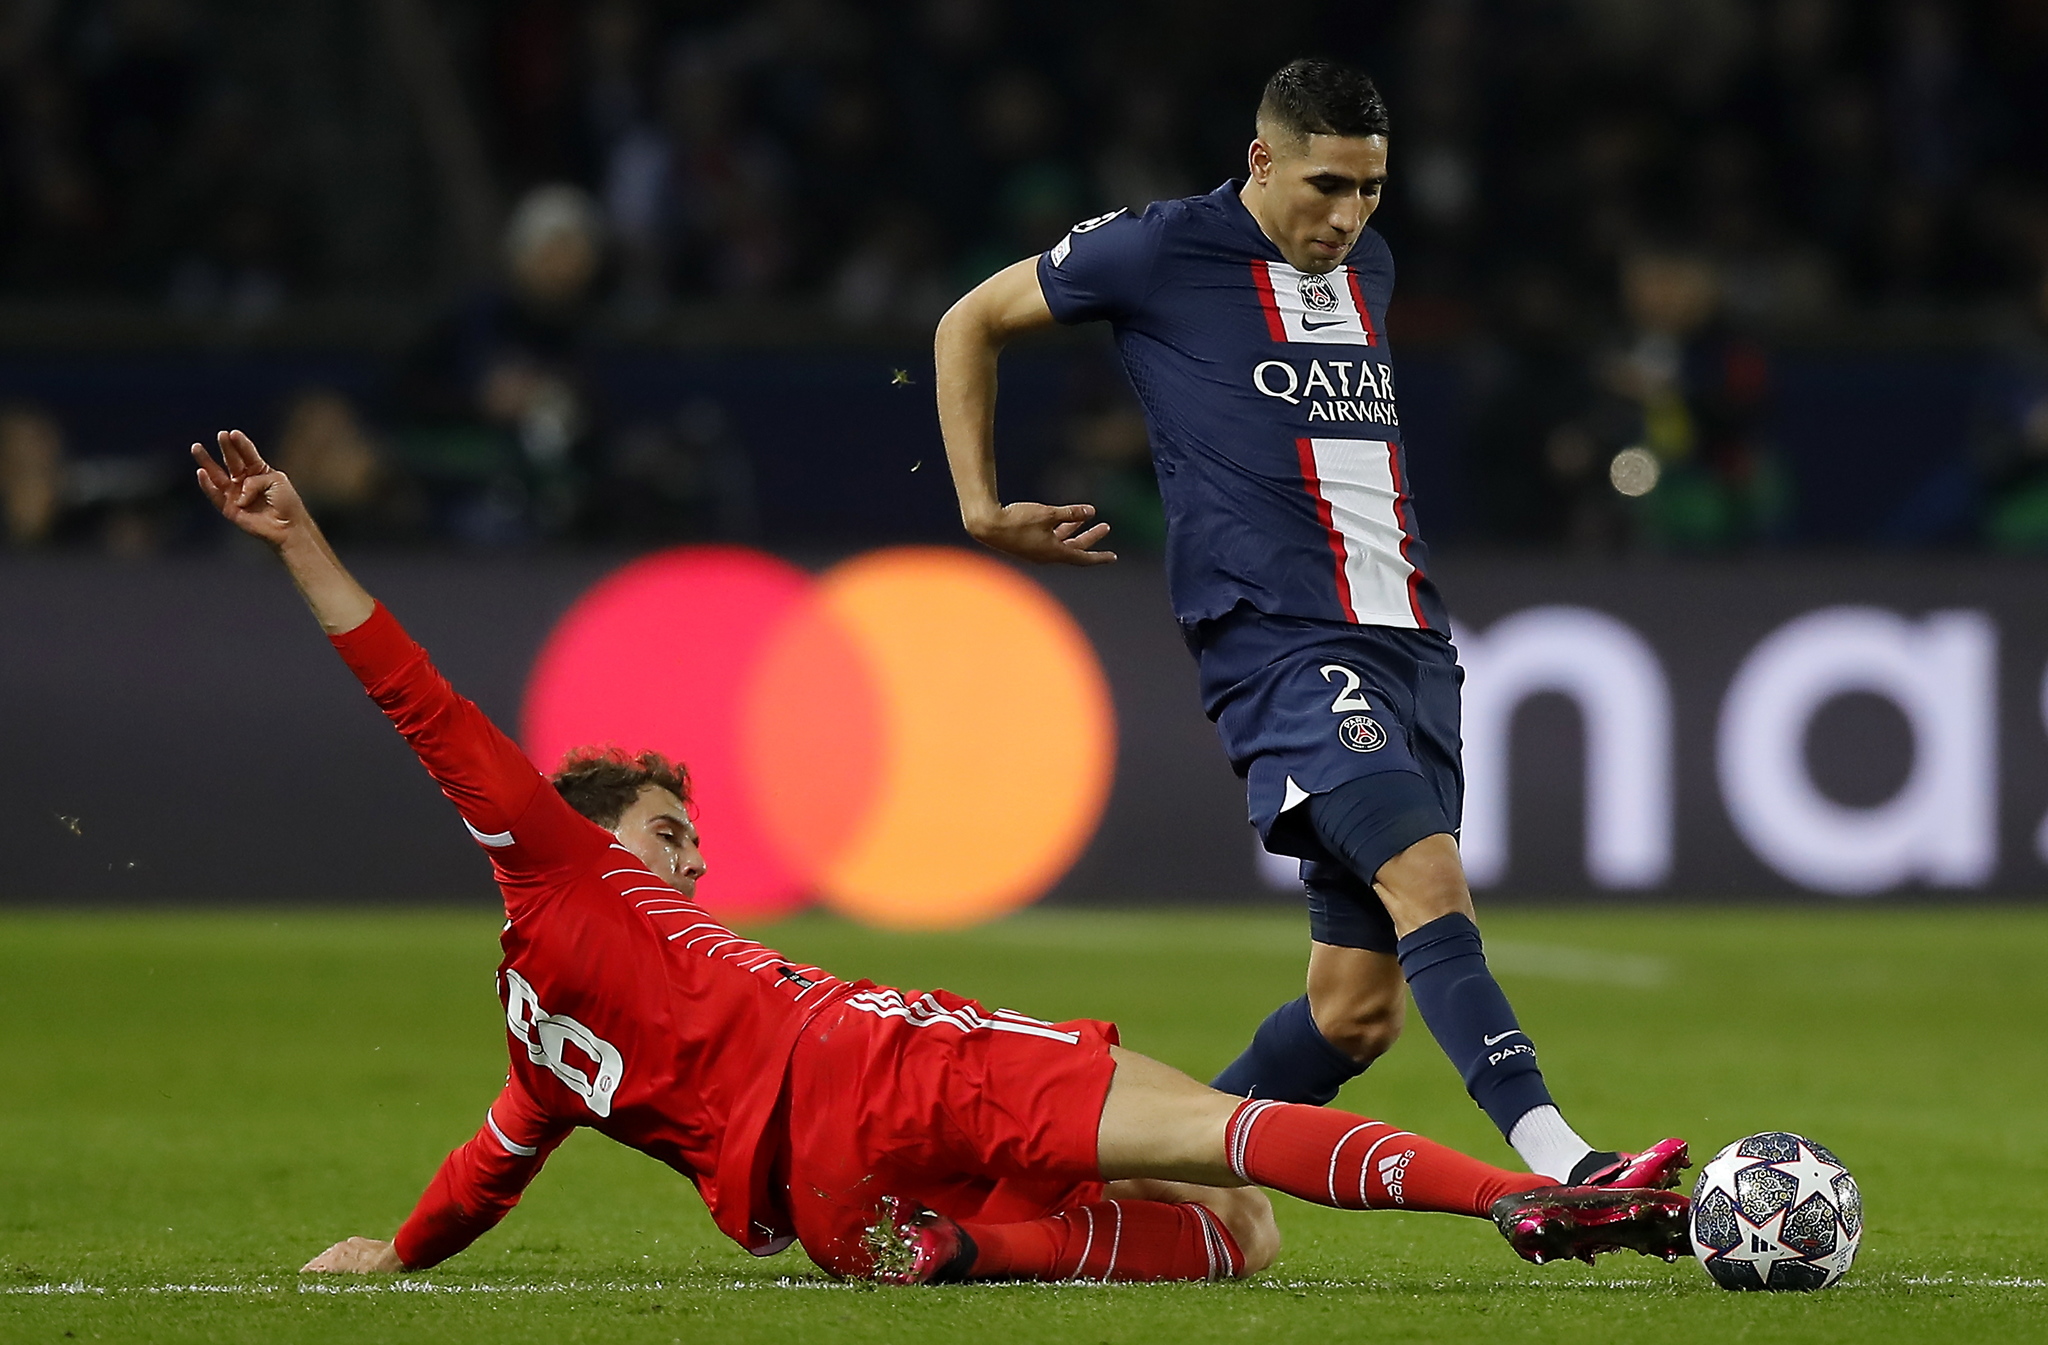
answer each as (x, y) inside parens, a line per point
(920, 737)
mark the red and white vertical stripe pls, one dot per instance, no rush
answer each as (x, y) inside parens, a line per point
(1319, 309)
(1362, 503)
(1145, 1240)
(1225, 1261)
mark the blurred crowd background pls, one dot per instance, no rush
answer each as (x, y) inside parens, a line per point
(1676, 275)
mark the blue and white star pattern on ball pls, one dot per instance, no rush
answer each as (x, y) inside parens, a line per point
(1776, 1211)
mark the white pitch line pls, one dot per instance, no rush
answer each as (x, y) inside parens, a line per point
(1855, 1281)
(1557, 962)
(79, 1287)
(418, 1287)
(74, 1287)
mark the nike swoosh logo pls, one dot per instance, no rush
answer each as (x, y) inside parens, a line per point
(1308, 326)
(1495, 1041)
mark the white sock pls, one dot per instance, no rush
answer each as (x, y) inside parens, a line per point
(1547, 1144)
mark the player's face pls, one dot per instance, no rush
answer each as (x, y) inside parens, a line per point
(660, 834)
(1316, 193)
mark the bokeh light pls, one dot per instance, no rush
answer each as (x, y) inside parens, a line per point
(658, 655)
(923, 737)
(1000, 739)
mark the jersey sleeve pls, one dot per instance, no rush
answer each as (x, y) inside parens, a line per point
(507, 806)
(478, 1184)
(1102, 268)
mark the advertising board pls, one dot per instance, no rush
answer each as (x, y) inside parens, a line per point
(1783, 728)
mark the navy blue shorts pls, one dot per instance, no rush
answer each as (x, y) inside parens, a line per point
(1305, 706)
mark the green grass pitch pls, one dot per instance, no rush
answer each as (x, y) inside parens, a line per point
(194, 1104)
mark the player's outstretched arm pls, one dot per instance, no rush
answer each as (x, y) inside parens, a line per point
(475, 1187)
(480, 769)
(261, 501)
(970, 337)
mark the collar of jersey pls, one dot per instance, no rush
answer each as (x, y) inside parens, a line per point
(1241, 219)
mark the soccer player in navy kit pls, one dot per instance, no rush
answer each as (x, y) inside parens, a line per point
(1251, 322)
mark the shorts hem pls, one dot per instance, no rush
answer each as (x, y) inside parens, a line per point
(1395, 838)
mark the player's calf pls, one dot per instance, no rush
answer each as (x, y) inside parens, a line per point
(1245, 1211)
(1334, 1158)
(1353, 1163)
(1157, 1122)
(1141, 1241)
(1247, 1214)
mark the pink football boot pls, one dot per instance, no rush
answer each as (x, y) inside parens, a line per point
(1583, 1221)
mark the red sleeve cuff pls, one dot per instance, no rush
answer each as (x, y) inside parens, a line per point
(376, 648)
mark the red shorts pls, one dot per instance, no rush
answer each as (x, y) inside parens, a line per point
(981, 1115)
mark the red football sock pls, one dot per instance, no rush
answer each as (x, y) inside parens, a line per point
(1109, 1240)
(1335, 1158)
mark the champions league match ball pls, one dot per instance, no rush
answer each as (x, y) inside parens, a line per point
(1776, 1211)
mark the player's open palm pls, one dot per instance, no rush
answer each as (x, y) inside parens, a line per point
(1047, 533)
(249, 492)
(357, 1256)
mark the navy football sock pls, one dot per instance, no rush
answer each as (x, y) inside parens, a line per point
(1289, 1060)
(1471, 1019)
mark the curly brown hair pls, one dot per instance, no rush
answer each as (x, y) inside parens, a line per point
(602, 782)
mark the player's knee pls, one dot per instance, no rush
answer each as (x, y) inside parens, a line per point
(1364, 1024)
(1248, 1214)
(1367, 1035)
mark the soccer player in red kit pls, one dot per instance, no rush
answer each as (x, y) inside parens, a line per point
(901, 1136)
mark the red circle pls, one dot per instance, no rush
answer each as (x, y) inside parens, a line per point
(661, 654)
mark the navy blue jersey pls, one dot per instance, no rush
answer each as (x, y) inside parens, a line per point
(1269, 394)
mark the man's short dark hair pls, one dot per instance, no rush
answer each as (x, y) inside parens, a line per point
(1305, 98)
(602, 782)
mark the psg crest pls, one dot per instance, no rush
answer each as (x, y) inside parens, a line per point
(1317, 295)
(1362, 733)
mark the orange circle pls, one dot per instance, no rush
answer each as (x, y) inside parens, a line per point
(997, 747)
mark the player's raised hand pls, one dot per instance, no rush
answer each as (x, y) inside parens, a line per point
(249, 492)
(260, 500)
(1046, 533)
(357, 1256)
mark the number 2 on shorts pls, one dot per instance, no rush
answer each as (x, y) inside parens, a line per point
(1348, 698)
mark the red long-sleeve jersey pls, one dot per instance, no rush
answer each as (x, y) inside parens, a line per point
(628, 1008)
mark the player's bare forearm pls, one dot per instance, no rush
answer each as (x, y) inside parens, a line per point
(261, 501)
(339, 603)
(970, 339)
(964, 352)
